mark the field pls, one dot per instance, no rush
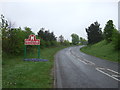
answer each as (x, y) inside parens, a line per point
(28, 74)
(103, 50)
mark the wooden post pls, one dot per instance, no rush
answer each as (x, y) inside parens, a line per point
(24, 51)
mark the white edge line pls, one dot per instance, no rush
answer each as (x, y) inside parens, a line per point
(107, 74)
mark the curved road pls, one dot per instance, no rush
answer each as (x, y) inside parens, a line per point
(74, 69)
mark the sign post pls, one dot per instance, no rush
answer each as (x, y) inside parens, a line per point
(25, 51)
(32, 41)
(38, 51)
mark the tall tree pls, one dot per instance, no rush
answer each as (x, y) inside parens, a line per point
(108, 30)
(41, 33)
(46, 35)
(116, 39)
(94, 33)
(75, 39)
(61, 39)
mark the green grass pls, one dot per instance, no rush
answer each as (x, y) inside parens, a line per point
(27, 74)
(102, 50)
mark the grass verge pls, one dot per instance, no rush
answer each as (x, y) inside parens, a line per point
(102, 50)
(27, 74)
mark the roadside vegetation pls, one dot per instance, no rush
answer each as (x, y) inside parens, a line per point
(28, 74)
(17, 73)
(106, 44)
(102, 50)
(13, 38)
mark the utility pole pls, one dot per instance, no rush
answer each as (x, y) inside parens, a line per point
(119, 16)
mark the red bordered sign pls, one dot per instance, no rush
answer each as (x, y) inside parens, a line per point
(32, 40)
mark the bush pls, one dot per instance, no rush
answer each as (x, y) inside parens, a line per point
(53, 43)
(47, 43)
(66, 43)
(13, 40)
(42, 43)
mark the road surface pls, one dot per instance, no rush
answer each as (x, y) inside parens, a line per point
(74, 69)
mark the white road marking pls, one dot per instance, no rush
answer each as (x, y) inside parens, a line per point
(68, 53)
(115, 75)
(82, 61)
(98, 69)
(113, 71)
(87, 62)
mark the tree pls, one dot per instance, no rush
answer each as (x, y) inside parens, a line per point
(28, 31)
(47, 37)
(94, 33)
(4, 23)
(66, 43)
(116, 39)
(61, 39)
(108, 30)
(75, 39)
(13, 38)
(41, 33)
(83, 41)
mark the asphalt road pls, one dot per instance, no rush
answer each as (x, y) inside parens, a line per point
(74, 69)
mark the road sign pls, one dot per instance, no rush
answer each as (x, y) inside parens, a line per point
(32, 40)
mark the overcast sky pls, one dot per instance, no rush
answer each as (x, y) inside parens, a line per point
(63, 17)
